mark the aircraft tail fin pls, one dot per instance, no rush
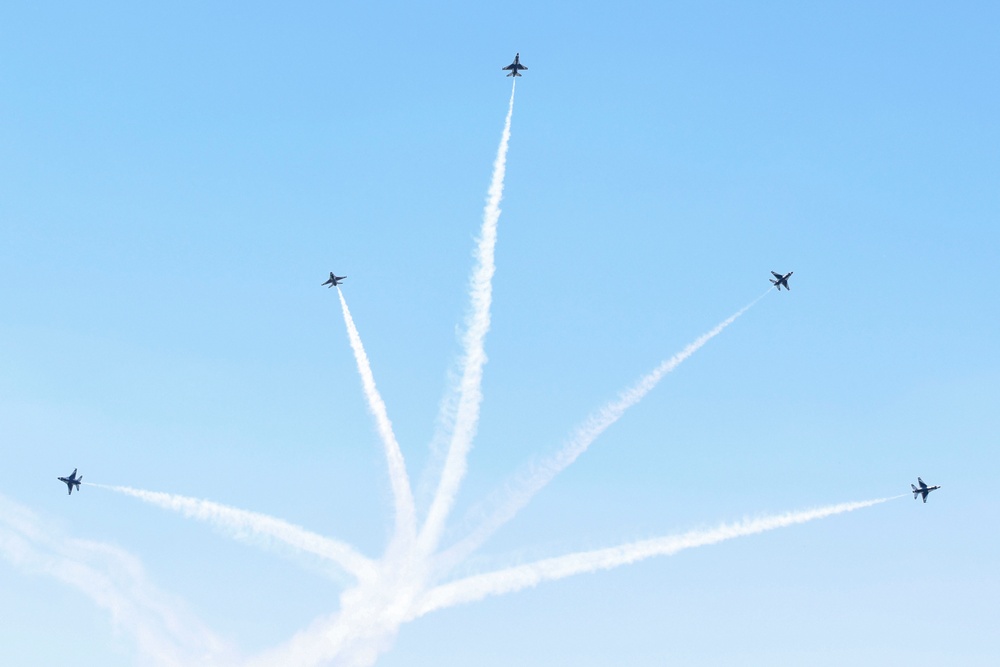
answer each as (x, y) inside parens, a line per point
(916, 491)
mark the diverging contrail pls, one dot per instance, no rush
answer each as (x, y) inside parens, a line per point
(406, 520)
(244, 525)
(477, 324)
(539, 475)
(514, 579)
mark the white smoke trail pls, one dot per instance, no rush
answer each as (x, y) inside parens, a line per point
(406, 519)
(539, 475)
(165, 633)
(244, 525)
(524, 576)
(466, 417)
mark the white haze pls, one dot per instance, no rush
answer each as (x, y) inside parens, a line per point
(165, 633)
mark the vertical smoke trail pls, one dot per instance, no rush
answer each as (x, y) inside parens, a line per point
(531, 574)
(541, 474)
(477, 324)
(243, 524)
(406, 519)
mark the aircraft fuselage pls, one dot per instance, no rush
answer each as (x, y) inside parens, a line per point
(71, 481)
(923, 489)
(781, 280)
(334, 281)
(516, 66)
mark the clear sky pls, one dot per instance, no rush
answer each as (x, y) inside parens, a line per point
(176, 181)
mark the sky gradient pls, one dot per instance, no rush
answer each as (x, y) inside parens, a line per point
(177, 181)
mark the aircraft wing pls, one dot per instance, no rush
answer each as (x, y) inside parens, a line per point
(925, 496)
(776, 275)
(922, 483)
(508, 67)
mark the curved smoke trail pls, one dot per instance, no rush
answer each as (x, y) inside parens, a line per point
(165, 632)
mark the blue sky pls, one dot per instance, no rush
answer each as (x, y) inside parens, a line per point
(177, 181)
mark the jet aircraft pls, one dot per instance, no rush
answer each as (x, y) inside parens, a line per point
(923, 490)
(781, 280)
(72, 481)
(515, 66)
(333, 280)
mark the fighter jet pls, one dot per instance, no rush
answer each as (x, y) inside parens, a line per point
(73, 480)
(333, 280)
(782, 280)
(515, 66)
(923, 490)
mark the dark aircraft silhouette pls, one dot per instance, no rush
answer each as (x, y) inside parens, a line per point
(515, 66)
(782, 280)
(333, 280)
(923, 490)
(73, 480)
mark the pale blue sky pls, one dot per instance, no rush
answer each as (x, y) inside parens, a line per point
(175, 182)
